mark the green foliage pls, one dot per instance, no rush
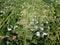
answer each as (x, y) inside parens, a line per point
(26, 17)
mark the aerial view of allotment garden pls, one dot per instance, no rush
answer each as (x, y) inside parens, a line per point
(29, 22)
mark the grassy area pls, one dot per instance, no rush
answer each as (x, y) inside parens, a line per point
(27, 17)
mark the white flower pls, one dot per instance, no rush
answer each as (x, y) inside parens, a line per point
(31, 22)
(57, 0)
(15, 27)
(7, 42)
(46, 22)
(6, 36)
(22, 7)
(2, 11)
(24, 3)
(9, 29)
(32, 29)
(10, 6)
(8, 0)
(38, 34)
(54, 12)
(11, 26)
(42, 28)
(35, 16)
(32, 19)
(36, 27)
(36, 22)
(17, 14)
(45, 33)
(48, 6)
